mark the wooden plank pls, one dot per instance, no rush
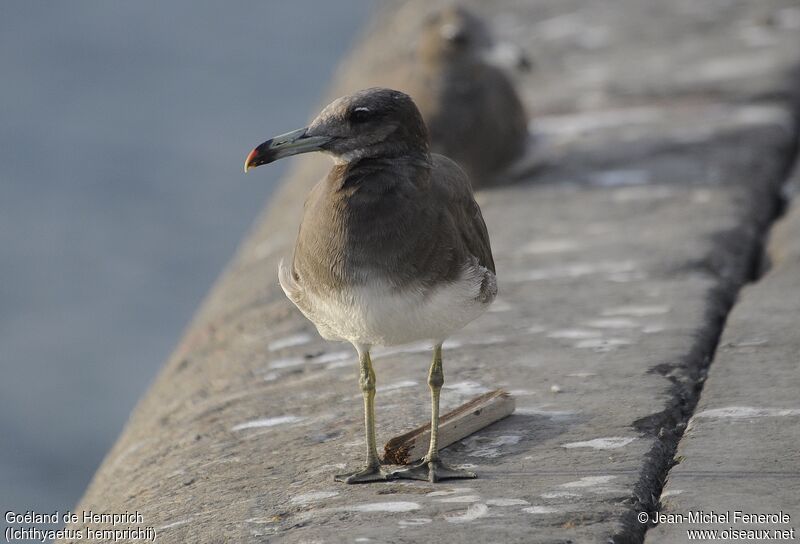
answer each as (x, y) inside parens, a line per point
(459, 423)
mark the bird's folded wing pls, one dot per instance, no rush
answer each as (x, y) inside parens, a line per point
(453, 193)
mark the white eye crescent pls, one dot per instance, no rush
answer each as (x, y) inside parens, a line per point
(360, 114)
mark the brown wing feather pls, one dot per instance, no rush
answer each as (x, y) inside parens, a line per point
(453, 192)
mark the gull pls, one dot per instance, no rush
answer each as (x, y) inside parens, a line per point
(392, 247)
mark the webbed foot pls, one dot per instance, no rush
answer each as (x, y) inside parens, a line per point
(432, 471)
(372, 473)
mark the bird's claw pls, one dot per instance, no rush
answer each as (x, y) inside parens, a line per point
(372, 473)
(432, 471)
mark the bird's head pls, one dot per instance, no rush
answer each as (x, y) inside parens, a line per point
(454, 35)
(374, 122)
(452, 32)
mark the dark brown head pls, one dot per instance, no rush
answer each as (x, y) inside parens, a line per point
(371, 123)
(453, 32)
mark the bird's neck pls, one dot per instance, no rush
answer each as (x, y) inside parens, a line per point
(379, 174)
(394, 151)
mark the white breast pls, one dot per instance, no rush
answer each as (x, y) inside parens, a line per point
(378, 314)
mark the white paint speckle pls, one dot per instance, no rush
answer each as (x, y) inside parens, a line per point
(588, 481)
(412, 522)
(560, 495)
(552, 414)
(460, 498)
(521, 393)
(745, 412)
(613, 323)
(702, 196)
(467, 388)
(482, 446)
(764, 115)
(636, 311)
(289, 341)
(397, 385)
(175, 524)
(397, 506)
(446, 492)
(582, 374)
(507, 502)
(340, 364)
(609, 443)
(267, 422)
(671, 493)
(287, 362)
(540, 510)
(475, 511)
(333, 357)
(574, 334)
(313, 496)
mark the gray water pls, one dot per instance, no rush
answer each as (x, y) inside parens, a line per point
(123, 130)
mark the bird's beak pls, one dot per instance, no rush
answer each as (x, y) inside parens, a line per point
(285, 145)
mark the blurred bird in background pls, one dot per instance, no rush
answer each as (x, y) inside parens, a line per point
(458, 77)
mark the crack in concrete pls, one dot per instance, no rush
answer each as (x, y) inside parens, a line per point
(688, 378)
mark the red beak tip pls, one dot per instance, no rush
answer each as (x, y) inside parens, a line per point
(248, 160)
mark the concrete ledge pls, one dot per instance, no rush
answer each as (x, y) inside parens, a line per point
(739, 452)
(618, 262)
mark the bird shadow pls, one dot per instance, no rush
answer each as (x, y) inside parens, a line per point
(518, 434)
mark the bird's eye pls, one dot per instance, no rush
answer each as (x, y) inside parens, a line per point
(359, 115)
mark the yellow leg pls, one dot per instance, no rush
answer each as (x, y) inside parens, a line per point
(431, 468)
(372, 471)
(435, 382)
